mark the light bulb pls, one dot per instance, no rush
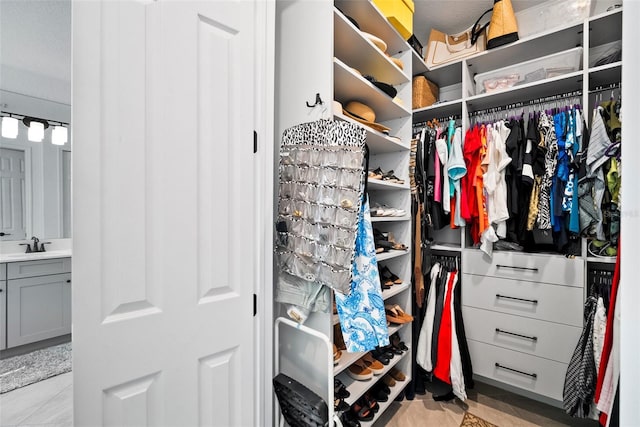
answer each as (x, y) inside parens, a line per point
(9, 127)
(59, 135)
(36, 132)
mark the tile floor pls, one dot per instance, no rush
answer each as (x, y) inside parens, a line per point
(49, 404)
(492, 404)
(46, 403)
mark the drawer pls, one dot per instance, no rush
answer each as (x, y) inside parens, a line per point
(532, 267)
(560, 304)
(18, 270)
(535, 374)
(536, 337)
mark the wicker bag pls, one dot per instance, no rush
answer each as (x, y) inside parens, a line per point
(425, 93)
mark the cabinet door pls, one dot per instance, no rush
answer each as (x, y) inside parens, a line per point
(38, 308)
(3, 314)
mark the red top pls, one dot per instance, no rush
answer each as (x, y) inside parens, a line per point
(443, 361)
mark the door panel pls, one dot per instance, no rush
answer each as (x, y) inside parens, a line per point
(12, 194)
(164, 236)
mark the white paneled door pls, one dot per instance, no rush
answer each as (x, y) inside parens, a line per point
(164, 239)
(12, 195)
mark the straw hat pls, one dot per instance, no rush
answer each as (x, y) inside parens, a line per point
(363, 114)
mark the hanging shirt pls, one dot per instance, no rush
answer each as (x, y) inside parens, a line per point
(362, 316)
(457, 376)
(494, 179)
(548, 139)
(423, 354)
(443, 155)
(443, 363)
(456, 169)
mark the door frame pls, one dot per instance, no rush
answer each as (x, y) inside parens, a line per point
(265, 176)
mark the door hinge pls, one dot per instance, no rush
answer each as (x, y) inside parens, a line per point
(255, 141)
(255, 304)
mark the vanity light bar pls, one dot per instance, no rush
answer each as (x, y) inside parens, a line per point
(36, 126)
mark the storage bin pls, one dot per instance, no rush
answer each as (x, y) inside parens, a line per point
(552, 14)
(399, 13)
(529, 71)
(424, 92)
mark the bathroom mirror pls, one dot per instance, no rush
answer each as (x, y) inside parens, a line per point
(35, 65)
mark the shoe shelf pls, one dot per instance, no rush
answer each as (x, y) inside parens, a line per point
(378, 184)
(604, 260)
(605, 27)
(392, 253)
(395, 391)
(390, 218)
(347, 360)
(349, 85)
(446, 247)
(357, 388)
(394, 290)
(396, 328)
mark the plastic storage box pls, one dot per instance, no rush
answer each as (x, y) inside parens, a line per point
(551, 15)
(399, 13)
(529, 71)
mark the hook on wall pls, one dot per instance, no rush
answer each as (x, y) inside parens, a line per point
(318, 101)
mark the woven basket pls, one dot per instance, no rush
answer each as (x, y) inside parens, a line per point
(425, 93)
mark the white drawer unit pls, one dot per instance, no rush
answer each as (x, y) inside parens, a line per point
(18, 270)
(560, 304)
(531, 267)
(535, 374)
(553, 341)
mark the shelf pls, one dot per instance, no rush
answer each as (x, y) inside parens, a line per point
(358, 388)
(536, 46)
(605, 27)
(443, 109)
(395, 391)
(393, 291)
(346, 360)
(419, 67)
(371, 20)
(390, 218)
(378, 184)
(447, 74)
(605, 75)
(523, 93)
(350, 86)
(395, 328)
(351, 47)
(446, 247)
(376, 141)
(384, 256)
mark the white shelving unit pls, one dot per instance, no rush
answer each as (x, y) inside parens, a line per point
(334, 67)
(456, 82)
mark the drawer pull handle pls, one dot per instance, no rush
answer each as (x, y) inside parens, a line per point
(532, 301)
(535, 270)
(502, 331)
(534, 376)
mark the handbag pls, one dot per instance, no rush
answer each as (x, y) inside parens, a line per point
(443, 48)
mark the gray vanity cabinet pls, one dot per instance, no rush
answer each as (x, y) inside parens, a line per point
(3, 306)
(38, 300)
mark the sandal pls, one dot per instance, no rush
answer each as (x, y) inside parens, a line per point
(389, 276)
(361, 411)
(376, 174)
(340, 390)
(396, 343)
(395, 314)
(601, 249)
(359, 371)
(389, 176)
(397, 374)
(371, 402)
(388, 381)
(349, 420)
(375, 365)
(340, 405)
(337, 354)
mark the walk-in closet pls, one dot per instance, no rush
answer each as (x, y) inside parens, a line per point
(480, 230)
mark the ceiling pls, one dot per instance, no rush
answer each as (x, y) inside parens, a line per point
(35, 48)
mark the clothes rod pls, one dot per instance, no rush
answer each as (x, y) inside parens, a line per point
(530, 102)
(604, 88)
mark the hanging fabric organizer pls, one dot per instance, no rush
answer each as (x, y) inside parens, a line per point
(322, 175)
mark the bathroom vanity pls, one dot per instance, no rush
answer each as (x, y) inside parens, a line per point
(35, 297)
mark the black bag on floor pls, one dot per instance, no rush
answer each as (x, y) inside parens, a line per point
(299, 405)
